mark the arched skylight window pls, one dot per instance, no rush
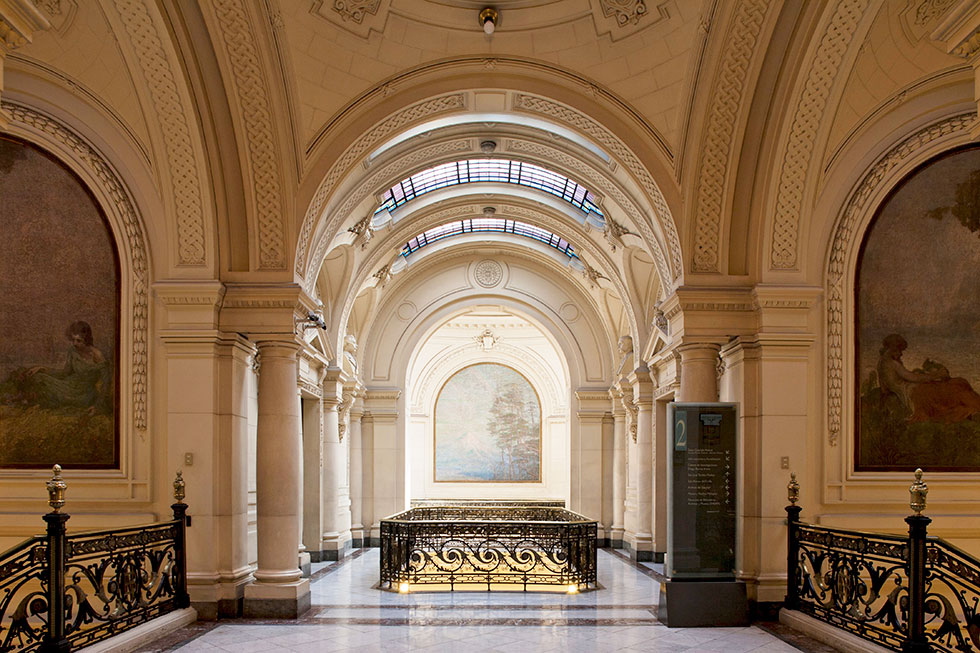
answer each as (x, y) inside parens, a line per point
(492, 170)
(499, 225)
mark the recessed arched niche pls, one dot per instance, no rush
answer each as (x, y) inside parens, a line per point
(487, 427)
(917, 364)
(488, 392)
(59, 317)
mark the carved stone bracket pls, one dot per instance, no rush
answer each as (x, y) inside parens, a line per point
(343, 411)
(632, 412)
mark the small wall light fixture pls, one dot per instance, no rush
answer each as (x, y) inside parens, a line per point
(488, 18)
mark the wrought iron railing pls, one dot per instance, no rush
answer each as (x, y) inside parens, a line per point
(459, 546)
(59, 592)
(905, 593)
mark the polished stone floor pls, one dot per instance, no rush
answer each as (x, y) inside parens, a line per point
(349, 614)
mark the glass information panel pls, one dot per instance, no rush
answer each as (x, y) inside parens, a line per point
(701, 491)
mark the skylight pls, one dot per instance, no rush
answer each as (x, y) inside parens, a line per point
(490, 170)
(499, 225)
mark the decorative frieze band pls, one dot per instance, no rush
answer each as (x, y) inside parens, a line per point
(822, 70)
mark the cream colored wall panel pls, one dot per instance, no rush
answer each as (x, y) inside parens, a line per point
(85, 51)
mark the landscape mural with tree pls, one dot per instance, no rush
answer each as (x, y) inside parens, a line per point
(487, 427)
(918, 320)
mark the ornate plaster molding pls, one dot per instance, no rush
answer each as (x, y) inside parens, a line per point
(609, 141)
(123, 208)
(846, 240)
(719, 140)
(360, 147)
(822, 67)
(186, 178)
(257, 117)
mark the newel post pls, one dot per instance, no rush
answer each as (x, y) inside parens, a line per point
(916, 636)
(55, 640)
(792, 600)
(181, 597)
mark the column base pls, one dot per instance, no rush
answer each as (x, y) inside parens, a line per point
(616, 538)
(695, 603)
(357, 536)
(218, 596)
(640, 547)
(305, 563)
(334, 548)
(277, 600)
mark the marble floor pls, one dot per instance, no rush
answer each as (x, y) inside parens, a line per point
(350, 614)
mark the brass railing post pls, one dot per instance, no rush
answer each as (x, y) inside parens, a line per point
(55, 640)
(793, 511)
(915, 640)
(181, 597)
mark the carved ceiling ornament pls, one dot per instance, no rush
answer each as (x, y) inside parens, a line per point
(846, 241)
(354, 10)
(97, 168)
(624, 11)
(798, 150)
(488, 273)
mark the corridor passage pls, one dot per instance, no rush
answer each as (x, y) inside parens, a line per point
(350, 614)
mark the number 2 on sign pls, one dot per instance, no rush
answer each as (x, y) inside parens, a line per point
(680, 435)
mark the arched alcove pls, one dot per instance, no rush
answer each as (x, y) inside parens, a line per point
(496, 336)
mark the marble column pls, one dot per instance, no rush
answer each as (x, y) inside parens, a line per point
(312, 464)
(699, 372)
(355, 445)
(642, 549)
(336, 518)
(619, 471)
(279, 589)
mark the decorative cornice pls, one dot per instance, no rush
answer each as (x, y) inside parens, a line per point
(186, 179)
(846, 240)
(723, 114)
(257, 118)
(822, 68)
(122, 207)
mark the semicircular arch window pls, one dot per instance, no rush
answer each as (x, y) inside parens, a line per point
(483, 225)
(490, 170)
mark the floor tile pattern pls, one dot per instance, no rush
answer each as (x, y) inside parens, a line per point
(349, 613)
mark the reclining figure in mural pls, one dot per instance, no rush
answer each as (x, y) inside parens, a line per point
(83, 383)
(928, 394)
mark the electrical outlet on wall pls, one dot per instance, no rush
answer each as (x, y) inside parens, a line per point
(188, 460)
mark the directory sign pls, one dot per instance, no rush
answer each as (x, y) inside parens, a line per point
(701, 491)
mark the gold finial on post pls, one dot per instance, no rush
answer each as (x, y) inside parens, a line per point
(917, 493)
(792, 489)
(179, 487)
(56, 489)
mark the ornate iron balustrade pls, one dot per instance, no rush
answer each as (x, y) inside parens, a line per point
(59, 591)
(914, 593)
(525, 546)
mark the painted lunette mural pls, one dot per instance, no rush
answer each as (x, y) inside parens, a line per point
(487, 427)
(59, 317)
(918, 323)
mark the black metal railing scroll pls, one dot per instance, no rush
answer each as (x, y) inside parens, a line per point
(905, 593)
(60, 592)
(476, 546)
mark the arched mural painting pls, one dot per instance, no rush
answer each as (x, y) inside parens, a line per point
(487, 427)
(918, 316)
(59, 317)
